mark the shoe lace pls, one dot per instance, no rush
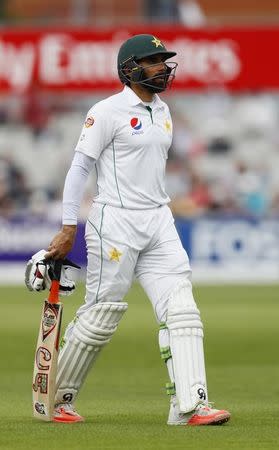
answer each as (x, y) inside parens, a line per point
(68, 407)
(210, 404)
(205, 405)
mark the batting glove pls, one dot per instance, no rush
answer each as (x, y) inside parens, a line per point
(39, 274)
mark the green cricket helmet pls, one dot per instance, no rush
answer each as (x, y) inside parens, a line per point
(143, 46)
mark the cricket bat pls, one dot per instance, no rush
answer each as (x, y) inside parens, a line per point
(45, 365)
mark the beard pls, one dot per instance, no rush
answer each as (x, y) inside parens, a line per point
(156, 84)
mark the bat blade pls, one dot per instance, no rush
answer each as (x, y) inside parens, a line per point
(45, 365)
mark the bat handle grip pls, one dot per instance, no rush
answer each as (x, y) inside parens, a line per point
(54, 288)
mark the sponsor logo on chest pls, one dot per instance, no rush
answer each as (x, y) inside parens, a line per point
(138, 128)
(136, 125)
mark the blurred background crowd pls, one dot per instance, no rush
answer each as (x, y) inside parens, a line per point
(225, 153)
(192, 13)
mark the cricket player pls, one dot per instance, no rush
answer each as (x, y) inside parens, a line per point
(130, 231)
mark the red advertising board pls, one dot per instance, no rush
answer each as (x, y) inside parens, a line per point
(85, 59)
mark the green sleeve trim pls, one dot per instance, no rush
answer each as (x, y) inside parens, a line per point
(163, 326)
(170, 388)
(115, 176)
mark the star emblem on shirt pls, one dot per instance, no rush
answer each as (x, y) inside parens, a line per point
(168, 125)
(157, 42)
(114, 255)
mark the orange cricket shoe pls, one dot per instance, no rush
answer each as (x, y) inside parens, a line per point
(205, 415)
(66, 413)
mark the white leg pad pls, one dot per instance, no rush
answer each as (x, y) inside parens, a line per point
(186, 344)
(83, 341)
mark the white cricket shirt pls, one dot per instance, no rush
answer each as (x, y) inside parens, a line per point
(130, 143)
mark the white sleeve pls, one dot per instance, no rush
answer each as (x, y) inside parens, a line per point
(97, 132)
(74, 187)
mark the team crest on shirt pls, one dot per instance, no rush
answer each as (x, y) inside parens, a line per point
(89, 122)
(167, 125)
(114, 254)
(136, 125)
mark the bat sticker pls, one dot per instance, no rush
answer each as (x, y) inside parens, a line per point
(49, 319)
(40, 408)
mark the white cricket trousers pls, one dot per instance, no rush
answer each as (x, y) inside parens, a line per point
(123, 243)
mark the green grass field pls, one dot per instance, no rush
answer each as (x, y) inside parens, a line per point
(124, 400)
